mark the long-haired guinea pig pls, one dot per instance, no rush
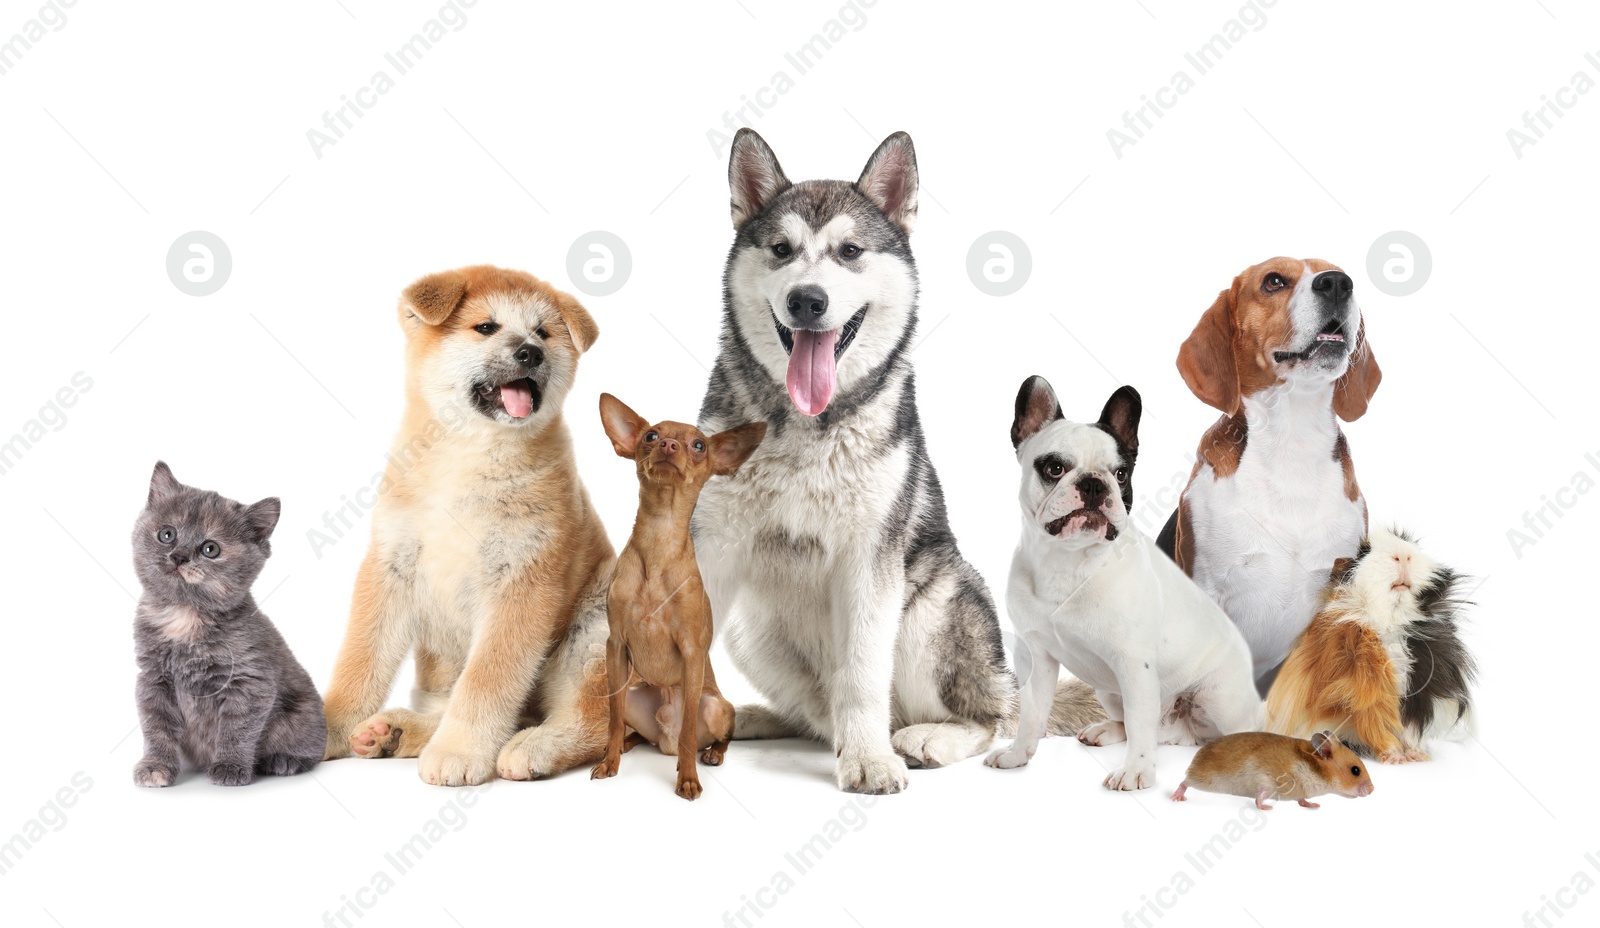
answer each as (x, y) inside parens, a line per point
(1382, 664)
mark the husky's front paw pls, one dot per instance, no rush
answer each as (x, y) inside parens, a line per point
(155, 772)
(1008, 758)
(1131, 777)
(1103, 733)
(230, 774)
(454, 762)
(871, 773)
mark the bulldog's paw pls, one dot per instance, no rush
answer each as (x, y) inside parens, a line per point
(1131, 777)
(1008, 758)
(1103, 733)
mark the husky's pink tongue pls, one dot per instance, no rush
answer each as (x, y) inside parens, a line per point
(811, 372)
(518, 399)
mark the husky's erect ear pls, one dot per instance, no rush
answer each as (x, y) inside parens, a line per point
(1036, 405)
(754, 176)
(434, 297)
(623, 426)
(890, 180)
(1120, 417)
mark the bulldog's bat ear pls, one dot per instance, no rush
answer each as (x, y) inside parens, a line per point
(1120, 417)
(890, 180)
(434, 297)
(1036, 406)
(623, 426)
(754, 176)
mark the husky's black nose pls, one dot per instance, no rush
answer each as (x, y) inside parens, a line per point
(529, 356)
(1335, 285)
(1093, 491)
(806, 304)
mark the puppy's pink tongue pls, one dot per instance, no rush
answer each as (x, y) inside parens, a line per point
(518, 399)
(811, 374)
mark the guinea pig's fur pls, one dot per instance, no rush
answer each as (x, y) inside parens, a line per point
(1382, 662)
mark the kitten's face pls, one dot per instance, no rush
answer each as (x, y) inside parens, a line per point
(194, 545)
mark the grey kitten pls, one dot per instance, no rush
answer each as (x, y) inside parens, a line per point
(217, 684)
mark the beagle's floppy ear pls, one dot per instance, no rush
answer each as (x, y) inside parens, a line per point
(1206, 358)
(434, 297)
(1353, 391)
(1036, 406)
(579, 322)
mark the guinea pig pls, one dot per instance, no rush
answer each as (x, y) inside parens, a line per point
(1259, 765)
(1382, 663)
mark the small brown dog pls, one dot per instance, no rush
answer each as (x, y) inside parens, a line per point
(658, 656)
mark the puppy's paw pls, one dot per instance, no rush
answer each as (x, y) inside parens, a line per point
(689, 788)
(861, 772)
(935, 744)
(1008, 758)
(155, 772)
(544, 751)
(455, 762)
(1130, 777)
(1103, 733)
(375, 737)
(230, 774)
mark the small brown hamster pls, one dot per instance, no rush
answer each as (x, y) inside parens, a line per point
(1259, 765)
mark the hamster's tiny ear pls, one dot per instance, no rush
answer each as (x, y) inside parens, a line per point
(1036, 406)
(1120, 417)
(163, 485)
(732, 447)
(1322, 742)
(623, 426)
(263, 517)
(754, 176)
(890, 180)
(434, 297)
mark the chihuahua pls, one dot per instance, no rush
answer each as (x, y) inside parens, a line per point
(658, 656)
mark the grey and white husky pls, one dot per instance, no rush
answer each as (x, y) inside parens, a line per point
(829, 560)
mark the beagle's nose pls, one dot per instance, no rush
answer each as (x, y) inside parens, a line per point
(1335, 285)
(529, 356)
(178, 560)
(807, 303)
(1093, 491)
(669, 446)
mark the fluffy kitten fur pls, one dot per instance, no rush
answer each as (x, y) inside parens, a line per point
(218, 686)
(1382, 663)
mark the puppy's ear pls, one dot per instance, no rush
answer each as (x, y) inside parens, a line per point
(163, 485)
(263, 517)
(754, 176)
(890, 180)
(579, 322)
(433, 298)
(1120, 417)
(623, 426)
(1036, 406)
(1206, 358)
(732, 447)
(1354, 390)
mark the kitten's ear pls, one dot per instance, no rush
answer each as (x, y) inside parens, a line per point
(163, 486)
(263, 516)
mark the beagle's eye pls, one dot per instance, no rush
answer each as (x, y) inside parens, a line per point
(486, 328)
(1054, 470)
(699, 446)
(1272, 283)
(211, 549)
(542, 332)
(782, 250)
(849, 251)
(651, 435)
(166, 535)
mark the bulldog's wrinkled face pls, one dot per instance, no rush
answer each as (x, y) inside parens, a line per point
(1077, 478)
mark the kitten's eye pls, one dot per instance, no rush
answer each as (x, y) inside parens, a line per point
(849, 251)
(166, 535)
(782, 250)
(651, 435)
(541, 332)
(1272, 283)
(211, 549)
(1054, 470)
(699, 445)
(486, 328)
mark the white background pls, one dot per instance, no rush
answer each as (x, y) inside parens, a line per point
(1314, 135)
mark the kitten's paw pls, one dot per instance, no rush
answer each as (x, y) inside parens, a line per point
(375, 738)
(154, 773)
(230, 774)
(284, 765)
(861, 772)
(1008, 758)
(1131, 777)
(1103, 733)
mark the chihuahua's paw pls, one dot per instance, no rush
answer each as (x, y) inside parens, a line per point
(230, 774)
(713, 755)
(1008, 758)
(860, 772)
(1131, 777)
(606, 768)
(935, 744)
(1103, 733)
(155, 772)
(450, 764)
(689, 789)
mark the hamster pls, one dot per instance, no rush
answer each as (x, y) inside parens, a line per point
(1259, 765)
(1382, 663)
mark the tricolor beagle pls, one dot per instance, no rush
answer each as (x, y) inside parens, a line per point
(1272, 501)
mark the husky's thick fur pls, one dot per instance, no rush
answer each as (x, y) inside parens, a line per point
(828, 559)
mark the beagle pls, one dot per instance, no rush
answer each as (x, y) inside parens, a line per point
(1273, 501)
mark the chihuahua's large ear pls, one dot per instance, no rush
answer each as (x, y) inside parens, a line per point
(732, 447)
(579, 322)
(1036, 405)
(623, 426)
(163, 485)
(1120, 417)
(1322, 743)
(754, 176)
(890, 180)
(1206, 358)
(1354, 390)
(433, 298)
